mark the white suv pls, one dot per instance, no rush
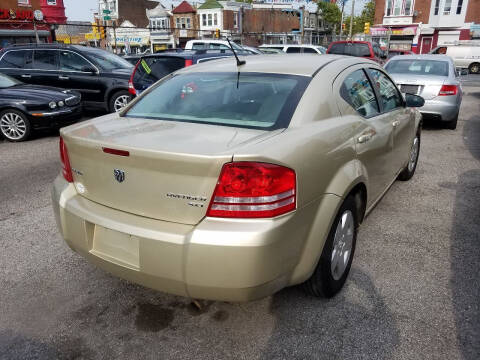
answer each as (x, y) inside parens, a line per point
(295, 49)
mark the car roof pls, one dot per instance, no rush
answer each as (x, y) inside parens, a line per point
(350, 41)
(423, 57)
(192, 53)
(297, 64)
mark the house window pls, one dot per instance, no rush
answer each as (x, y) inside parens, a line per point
(209, 19)
(459, 7)
(437, 7)
(399, 7)
(23, 2)
(189, 26)
(204, 19)
(235, 19)
(215, 19)
(447, 7)
(397, 10)
(389, 10)
(51, 2)
(408, 7)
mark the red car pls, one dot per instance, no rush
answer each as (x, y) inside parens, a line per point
(364, 49)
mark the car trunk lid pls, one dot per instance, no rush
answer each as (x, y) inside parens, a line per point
(158, 169)
(427, 86)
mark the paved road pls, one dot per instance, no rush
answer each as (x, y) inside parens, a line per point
(413, 292)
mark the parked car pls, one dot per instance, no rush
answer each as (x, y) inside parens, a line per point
(295, 49)
(27, 108)
(267, 51)
(252, 50)
(231, 182)
(433, 77)
(364, 49)
(133, 59)
(99, 76)
(152, 68)
(464, 56)
(206, 44)
(392, 53)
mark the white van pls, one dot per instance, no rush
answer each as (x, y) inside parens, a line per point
(295, 49)
(464, 56)
(211, 45)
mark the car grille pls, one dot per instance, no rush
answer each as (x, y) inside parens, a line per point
(409, 89)
(72, 101)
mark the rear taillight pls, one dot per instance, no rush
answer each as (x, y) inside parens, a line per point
(253, 190)
(448, 90)
(188, 62)
(131, 87)
(66, 168)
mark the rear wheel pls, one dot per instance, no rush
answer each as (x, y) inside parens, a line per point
(337, 255)
(474, 68)
(119, 100)
(452, 124)
(409, 170)
(14, 125)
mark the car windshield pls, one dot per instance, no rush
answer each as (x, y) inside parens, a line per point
(106, 60)
(7, 81)
(418, 67)
(352, 49)
(251, 100)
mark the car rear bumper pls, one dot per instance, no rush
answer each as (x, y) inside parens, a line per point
(441, 108)
(55, 119)
(217, 259)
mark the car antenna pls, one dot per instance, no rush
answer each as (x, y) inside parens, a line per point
(239, 62)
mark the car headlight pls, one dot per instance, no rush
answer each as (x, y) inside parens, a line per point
(61, 104)
(52, 105)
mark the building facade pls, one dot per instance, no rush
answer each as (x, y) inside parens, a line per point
(53, 11)
(17, 23)
(185, 23)
(420, 25)
(160, 25)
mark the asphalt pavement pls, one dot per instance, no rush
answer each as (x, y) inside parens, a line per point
(413, 292)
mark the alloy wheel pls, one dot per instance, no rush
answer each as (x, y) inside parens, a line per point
(120, 102)
(13, 126)
(475, 69)
(342, 244)
(413, 155)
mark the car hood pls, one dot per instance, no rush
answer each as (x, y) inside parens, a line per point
(35, 92)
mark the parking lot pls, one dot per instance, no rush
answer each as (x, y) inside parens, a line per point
(413, 292)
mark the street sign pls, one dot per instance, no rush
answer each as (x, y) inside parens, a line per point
(107, 18)
(106, 11)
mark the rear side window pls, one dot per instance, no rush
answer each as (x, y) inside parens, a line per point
(150, 70)
(358, 92)
(309, 51)
(251, 100)
(293, 50)
(198, 46)
(45, 59)
(390, 96)
(13, 60)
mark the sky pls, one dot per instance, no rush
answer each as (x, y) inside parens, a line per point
(82, 10)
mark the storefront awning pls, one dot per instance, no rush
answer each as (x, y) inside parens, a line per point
(8, 32)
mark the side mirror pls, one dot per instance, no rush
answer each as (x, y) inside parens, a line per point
(414, 100)
(88, 69)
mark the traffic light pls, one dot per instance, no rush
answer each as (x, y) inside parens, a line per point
(102, 32)
(343, 26)
(217, 33)
(366, 29)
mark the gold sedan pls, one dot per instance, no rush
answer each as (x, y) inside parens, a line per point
(231, 182)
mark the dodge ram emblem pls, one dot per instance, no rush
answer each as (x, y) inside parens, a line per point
(119, 175)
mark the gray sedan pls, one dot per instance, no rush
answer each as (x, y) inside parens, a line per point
(433, 77)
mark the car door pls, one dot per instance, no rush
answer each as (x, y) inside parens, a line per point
(17, 64)
(77, 73)
(374, 137)
(45, 67)
(401, 118)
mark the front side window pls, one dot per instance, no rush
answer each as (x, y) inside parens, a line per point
(251, 100)
(293, 50)
(358, 92)
(309, 51)
(13, 60)
(390, 96)
(45, 60)
(72, 62)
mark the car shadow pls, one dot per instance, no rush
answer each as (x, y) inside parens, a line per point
(465, 250)
(356, 321)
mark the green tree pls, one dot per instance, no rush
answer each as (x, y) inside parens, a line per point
(330, 12)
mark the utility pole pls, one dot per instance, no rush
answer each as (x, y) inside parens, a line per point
(351, 19)
(341, 21)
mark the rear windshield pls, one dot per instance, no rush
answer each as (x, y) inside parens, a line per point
(418, 67)
(352, 49)
(152, 69)
(251, 100)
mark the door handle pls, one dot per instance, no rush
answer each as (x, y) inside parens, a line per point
(61, 77)
(26, 76)
(366, 136)
(396, 123)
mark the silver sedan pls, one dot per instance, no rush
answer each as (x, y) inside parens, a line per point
(433, 77)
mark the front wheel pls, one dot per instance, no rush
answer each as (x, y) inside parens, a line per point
(409, 170)
(14, 125)
(474, 68)
(337, 255)
(119, 100)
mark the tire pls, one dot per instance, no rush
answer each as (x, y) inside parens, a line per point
(409, 170)
(452, 124)
(117, 99)
(14, 125)
(474, 68)
(328, 277)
